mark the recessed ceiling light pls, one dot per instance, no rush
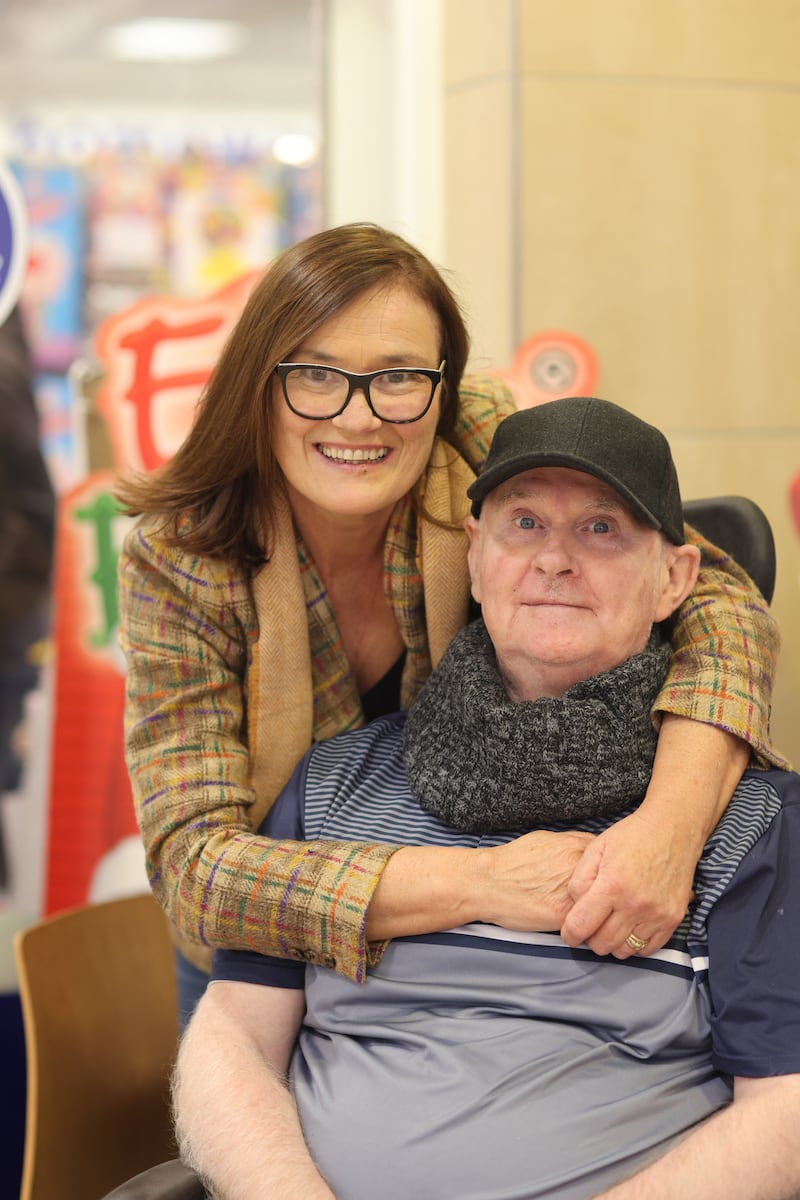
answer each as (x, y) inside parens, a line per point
(294, 149)
(172, 39)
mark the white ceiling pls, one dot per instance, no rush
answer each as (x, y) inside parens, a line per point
(51, 58)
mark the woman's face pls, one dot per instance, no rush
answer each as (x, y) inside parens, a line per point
(355, 465)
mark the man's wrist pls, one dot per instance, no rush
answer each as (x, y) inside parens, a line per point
(483, 895)
(468, 889)
(424, 889)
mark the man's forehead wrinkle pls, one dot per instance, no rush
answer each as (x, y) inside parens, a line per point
(603, 496)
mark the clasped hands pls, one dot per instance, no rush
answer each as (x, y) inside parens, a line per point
(630, 882)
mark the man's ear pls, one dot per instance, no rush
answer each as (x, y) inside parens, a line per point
(680, 567)
(473, 528)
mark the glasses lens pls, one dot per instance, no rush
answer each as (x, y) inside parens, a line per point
(400, 395)
(316, 391)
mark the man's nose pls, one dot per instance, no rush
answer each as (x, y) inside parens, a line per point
(357, 415)
(552, 555)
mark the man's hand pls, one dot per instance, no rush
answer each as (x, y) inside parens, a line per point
(525, 882)
(634, 879)
(520, 885)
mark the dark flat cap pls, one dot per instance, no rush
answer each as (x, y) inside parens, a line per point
(599, 438)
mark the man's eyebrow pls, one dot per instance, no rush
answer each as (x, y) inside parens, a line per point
(610, 503)
(515, 492)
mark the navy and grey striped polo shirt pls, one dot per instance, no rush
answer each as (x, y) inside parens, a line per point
(484, 1064)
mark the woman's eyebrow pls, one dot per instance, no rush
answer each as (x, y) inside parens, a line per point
(396, 358)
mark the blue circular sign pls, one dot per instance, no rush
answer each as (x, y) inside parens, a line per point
(13, 242)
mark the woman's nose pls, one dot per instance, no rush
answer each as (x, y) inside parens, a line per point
(357, 415)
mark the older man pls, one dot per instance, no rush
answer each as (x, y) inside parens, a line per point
(480, 1064)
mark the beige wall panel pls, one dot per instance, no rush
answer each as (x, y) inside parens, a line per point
(480, 249)
(646, 196)
(479, 41)
(760, 466)
(662, 225)
(726, 40)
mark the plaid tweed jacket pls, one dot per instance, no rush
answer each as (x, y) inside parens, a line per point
(230, 679)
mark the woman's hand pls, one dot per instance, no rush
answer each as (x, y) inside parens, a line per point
(634, 879)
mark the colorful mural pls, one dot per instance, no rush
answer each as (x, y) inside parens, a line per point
(155, 357)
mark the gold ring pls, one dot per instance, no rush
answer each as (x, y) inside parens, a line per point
(634, 942)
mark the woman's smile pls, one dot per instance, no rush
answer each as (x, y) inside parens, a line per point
(347, 455)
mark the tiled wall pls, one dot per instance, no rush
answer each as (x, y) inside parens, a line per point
(630, 172)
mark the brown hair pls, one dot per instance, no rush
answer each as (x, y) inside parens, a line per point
(222, 476)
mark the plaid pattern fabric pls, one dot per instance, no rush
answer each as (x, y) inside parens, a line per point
(191, 635)
(725, 648)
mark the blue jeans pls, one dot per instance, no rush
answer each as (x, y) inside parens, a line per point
(192, 982)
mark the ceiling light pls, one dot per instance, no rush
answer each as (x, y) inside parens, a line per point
(172, 39)
(294, 149)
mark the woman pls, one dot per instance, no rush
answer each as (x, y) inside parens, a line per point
(299, 567)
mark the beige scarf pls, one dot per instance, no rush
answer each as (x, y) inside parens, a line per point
(281, 716)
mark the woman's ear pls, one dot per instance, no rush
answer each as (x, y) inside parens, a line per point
(680, 567)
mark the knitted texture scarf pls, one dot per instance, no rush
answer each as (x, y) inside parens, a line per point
(483, 763)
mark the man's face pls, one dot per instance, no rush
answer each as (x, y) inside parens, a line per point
(569, 581)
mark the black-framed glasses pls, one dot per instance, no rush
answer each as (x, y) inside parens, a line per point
(397, 394)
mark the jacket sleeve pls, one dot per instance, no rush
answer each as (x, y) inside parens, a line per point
(188, 630)
(725, 645)
(483, 402)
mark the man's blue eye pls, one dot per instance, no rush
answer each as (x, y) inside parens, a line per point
(527, 523)
(600, 527)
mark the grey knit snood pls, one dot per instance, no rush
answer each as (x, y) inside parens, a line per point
(480, 762)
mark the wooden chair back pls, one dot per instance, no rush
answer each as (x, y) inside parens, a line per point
(98, 994)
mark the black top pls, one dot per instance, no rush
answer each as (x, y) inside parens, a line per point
(384, 696)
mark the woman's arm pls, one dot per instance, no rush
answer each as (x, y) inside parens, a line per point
(725, 647)
(637, 877)
(187, 629)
